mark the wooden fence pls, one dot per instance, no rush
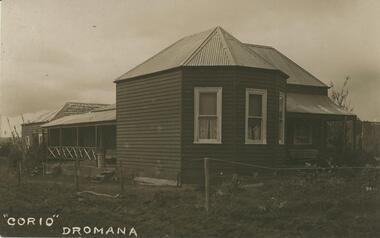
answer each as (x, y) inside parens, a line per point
(370, 138)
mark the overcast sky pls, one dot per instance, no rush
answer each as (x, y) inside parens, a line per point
(55, 51)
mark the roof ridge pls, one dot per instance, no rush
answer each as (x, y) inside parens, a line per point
(252, 52)
(158, 53)
(225, 43)
(88, 103)
(58, 111)
(199, 47)
(249, 50)
(261, 46)
(154, 55)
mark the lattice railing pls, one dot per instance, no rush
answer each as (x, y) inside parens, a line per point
(72, 152)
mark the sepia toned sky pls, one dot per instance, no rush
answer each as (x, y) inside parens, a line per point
(54, 51)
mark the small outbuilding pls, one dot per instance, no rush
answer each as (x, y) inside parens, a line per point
(210, 95)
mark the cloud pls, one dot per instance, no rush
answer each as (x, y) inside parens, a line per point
(55, 51)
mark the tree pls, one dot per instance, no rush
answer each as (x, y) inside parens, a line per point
(341, 96)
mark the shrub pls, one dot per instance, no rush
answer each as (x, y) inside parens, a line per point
(15, 155)
(349, 158)
(5, 148)
(35, 155)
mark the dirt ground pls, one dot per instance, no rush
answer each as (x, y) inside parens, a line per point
(312, 205)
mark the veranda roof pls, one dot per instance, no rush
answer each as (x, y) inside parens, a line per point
(97, 116)
(313, 104)
(68, 108)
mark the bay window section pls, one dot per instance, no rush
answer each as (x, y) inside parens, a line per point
(281, 119)
(207, 115)
(255, 116)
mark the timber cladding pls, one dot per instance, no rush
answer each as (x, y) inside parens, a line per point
(293, 88)
(155, 121)
(149, 124)
(234, 82)
(32, 130)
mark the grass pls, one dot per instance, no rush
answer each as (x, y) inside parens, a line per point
(322, 205)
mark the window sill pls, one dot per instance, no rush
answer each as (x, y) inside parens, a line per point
(207, 142)
(256, 143)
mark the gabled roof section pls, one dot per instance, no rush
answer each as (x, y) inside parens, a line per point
(69, 108)
(214, 47)
(72, 108)
(105, 108)
(297, 74)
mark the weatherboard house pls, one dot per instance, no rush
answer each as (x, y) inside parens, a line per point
(210, 95)
(206, 95)
(89, 137)
(32, 130)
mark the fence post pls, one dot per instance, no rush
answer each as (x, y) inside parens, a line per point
(207, 184)
(76, 174)
(121, 173)
(179, 180)
(19, 170)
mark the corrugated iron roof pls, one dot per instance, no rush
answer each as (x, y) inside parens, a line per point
(105, 108)
(69, 108)
(297, 74)
(214, 47)
(84, 118)
(43, 117)
(313, 104)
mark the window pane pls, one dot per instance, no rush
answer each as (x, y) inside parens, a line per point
(208, 128)
(254, 128)
(255, 105)
(281, 106)
(207, 103)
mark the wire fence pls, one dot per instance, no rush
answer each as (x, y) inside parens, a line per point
(371, 172)
(289, 168)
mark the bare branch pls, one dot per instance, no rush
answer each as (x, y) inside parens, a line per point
(341, 96)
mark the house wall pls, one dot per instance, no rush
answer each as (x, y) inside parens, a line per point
(234, 82)
(317, 133)
(32, 130)
(148, 111)
(293, 88)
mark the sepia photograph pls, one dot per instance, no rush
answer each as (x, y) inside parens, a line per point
(202, 118)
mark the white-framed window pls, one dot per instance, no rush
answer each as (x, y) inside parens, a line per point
(302, 134)
(208, 115)
(281, 119)
(40, 138)
(255, 116)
